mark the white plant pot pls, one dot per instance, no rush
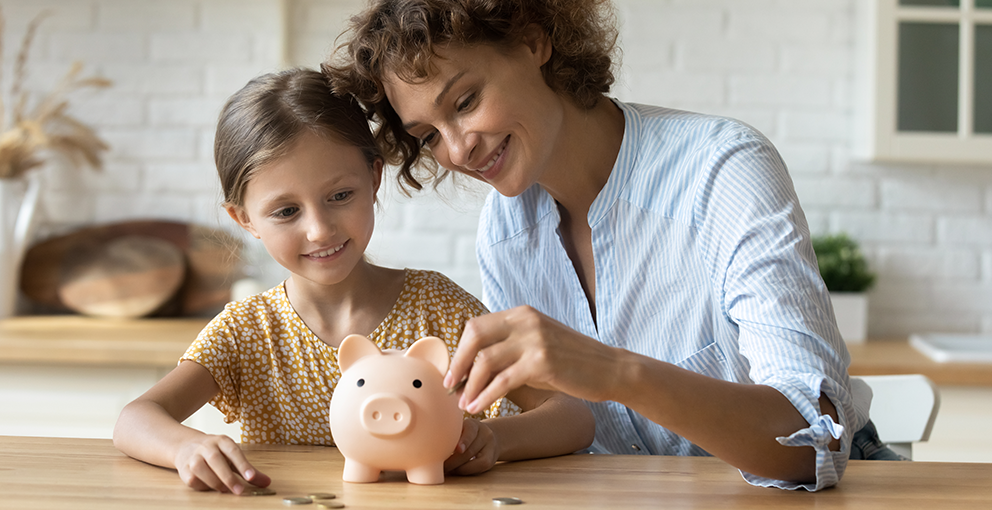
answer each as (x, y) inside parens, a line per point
(18, 201)
(851, 311)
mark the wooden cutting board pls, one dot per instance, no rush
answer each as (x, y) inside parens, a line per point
(211, 257)
(130, 276)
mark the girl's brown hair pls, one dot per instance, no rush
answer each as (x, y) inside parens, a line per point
(260, 122)
(403, 36)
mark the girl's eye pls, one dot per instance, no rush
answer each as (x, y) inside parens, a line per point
(337, 197)
(286, 213)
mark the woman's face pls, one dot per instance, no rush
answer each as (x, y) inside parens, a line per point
(486, 112)
(313, 208)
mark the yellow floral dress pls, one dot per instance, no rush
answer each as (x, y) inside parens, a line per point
(276, 377)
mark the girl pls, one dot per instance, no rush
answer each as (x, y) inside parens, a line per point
(651, 261)
(300, 170)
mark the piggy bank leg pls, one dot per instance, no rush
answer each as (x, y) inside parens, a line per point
(359, 473)
(430, 474)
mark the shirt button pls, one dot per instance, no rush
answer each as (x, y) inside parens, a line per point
(635, 447)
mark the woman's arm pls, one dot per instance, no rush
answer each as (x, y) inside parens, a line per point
(736, 422)
(150, 429)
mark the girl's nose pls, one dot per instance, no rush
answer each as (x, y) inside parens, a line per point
(319, 228)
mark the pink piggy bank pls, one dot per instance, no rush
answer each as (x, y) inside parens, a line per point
(391, 412)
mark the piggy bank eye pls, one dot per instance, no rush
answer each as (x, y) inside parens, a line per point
(417, 383)
(361, 382)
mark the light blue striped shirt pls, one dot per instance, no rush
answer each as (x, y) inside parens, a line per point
(703, 260)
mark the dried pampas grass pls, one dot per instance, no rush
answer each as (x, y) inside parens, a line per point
(47, 127)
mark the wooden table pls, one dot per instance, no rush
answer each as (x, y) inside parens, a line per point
(82, 474)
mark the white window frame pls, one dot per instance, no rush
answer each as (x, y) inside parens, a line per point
(877, 138)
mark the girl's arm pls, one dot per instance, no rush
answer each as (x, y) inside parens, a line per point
(150, 429)
(552, 424)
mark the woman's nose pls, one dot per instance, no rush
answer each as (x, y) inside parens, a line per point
(461, 145)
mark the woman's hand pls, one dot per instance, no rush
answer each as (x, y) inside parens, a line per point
(522, 346)
(477, 450)
(216, 462)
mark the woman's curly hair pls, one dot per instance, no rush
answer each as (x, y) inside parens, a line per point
(404, 36)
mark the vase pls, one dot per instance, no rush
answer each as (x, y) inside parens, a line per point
(851, 312)
(18, 203)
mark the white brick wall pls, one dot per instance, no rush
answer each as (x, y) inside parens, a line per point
(783, 66)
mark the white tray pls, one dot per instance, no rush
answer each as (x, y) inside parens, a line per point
(954, 347)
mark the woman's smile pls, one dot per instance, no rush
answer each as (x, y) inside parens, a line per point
(491, 169)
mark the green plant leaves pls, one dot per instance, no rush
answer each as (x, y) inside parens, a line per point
(842, 265)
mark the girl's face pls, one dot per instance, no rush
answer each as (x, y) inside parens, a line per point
(486, 112)
(313, 208)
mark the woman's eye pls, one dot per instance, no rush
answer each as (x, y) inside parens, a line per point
(429, 139)
(464, 105)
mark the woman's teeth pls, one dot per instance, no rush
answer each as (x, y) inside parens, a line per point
(322, 254)
(492, 162)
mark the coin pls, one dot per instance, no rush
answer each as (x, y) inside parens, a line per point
(321, 495)
(507, 501)
(330, 503)
(460, 385)
(251, 490)
(297, 501)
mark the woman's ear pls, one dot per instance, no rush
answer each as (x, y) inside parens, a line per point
(239, 215)
(538, 41)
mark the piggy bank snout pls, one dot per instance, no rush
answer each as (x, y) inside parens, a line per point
(386, 414)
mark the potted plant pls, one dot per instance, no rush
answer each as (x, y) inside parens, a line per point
(846, 274)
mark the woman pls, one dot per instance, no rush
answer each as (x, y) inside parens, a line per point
(653, 262)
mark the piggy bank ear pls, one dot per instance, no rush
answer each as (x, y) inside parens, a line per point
(354, 348)
(432, 350)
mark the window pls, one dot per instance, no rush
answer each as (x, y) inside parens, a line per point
(926, 80)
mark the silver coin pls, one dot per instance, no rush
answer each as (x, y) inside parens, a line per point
(507, 501)
(330, 503)
(257, 491)
(321, 495)
(297, 501)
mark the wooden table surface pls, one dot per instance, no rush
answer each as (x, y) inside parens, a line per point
(82, 474)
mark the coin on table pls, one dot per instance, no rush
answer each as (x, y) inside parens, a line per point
(329, 503)
(297, 501)
(257, 491)
(321, 495)
(507, 501)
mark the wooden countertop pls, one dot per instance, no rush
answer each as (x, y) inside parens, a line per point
(888, 357)
(83, 474)
(77, 340)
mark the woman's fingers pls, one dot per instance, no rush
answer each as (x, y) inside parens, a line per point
(522, 346)
(479, 333)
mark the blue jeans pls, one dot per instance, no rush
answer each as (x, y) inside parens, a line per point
(865, 445)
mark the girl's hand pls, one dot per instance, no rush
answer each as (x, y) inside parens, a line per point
(522, 346)
(210, 463)
(477, 450)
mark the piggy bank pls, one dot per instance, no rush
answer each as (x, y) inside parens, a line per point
(391, 412)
